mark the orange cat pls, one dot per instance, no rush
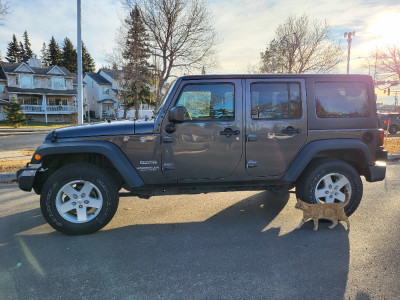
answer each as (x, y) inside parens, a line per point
(330, 211)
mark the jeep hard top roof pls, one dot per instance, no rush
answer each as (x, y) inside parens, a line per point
(271, 76)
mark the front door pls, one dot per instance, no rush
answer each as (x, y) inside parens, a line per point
(208, 144)
(276, 125)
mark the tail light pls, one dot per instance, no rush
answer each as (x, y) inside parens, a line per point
(381, 137)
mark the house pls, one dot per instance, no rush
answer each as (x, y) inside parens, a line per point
(100, 96)
(3, 94)
(102, 91)
(46, 94)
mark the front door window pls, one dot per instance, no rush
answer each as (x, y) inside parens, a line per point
(208, 102)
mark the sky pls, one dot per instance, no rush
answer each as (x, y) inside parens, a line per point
(245, 27)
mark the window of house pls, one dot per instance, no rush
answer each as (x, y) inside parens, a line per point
(58, 101)
(2, 88)
(106, 90)
(277, 100)
(34, 101)
(28, 100)
(208, 101)
(341, 99)
(58, 83)
(25, 81)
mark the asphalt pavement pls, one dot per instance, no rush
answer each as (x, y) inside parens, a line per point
(240, 245)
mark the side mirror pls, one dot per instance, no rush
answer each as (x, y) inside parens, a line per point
(177, 114)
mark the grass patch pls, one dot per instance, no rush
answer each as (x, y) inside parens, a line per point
(392, 145)
(12, 166)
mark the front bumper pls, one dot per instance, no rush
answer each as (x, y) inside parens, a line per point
(26, 177)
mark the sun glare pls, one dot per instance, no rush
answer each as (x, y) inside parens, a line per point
(385, 29)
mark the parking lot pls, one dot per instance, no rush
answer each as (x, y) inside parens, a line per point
(240, 245)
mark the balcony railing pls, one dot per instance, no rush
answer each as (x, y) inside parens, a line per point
(52, 109)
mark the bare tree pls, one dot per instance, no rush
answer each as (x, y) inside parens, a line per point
(4, 10)
(182, 36)
(387, 63)
(301, 45)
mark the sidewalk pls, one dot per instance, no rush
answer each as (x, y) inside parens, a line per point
(16, 131)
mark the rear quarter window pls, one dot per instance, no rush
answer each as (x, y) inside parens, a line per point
(341, 99)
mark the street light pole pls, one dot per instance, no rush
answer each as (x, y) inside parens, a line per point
(349, 36)
(79, 52)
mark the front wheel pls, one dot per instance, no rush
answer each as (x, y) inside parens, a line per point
(79, 199)
(325, 180)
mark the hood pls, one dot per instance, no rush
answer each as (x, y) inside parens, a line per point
(114, 128)
(97, 129)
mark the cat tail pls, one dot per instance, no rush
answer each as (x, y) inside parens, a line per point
(347, 199)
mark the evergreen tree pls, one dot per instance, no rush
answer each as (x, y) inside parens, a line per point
(14, 114)
(27, 47)
(88, 64)
(45, 55)
(69, 56)
(55, 54)
(13, 50)
(21, 53)
(137, 71)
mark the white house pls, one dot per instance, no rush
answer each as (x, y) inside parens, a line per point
(46, 94)
(102, 95)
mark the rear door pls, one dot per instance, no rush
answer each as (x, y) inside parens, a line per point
(276, 124)
(208, 144)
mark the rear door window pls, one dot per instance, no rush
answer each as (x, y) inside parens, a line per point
(275, 101)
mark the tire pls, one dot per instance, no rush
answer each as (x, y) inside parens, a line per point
(325, 180)
(79, 199)
(393, 129)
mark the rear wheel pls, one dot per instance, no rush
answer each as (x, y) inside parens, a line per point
(79, 199)
(325, 181)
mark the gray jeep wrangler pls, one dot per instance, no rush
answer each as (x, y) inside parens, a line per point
(214, 133)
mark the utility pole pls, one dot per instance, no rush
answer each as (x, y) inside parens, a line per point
(79, 50)
(349, 36)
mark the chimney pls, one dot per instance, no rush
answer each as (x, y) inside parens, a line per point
(35, 63)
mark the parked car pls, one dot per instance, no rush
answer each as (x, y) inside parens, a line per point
(390, 119)
(216, 133)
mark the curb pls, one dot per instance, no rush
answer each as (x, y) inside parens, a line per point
(393, 157)
(6, 131)
(7, 177)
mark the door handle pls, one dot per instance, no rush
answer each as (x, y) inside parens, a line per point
(290, 130)
(229, 132)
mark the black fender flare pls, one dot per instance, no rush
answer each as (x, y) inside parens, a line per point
(312, 149)
(109, 150)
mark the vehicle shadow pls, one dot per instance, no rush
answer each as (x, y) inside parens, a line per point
(231, 255)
